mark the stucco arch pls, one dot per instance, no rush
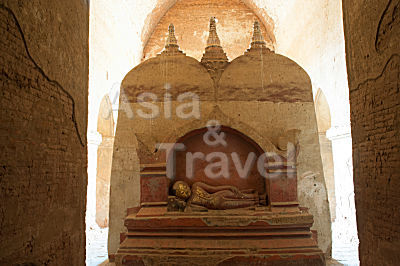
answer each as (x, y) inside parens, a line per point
(216, 114)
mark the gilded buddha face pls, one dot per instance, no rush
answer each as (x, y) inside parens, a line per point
(181, 190)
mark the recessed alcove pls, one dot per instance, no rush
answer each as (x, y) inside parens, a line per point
(233, 142)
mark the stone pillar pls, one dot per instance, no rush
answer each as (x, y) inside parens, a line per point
(104, 162)
(94, 140)
(327, 163)
(344, 228)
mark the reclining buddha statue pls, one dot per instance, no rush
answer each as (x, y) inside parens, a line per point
(202, 196)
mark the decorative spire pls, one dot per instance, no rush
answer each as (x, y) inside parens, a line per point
(213, 39)
(257, 41)
(214, 58)
(171, 44)
(171, 39)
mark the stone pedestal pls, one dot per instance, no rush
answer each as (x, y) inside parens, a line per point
(231, 237)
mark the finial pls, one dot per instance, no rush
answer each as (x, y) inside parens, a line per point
(171, 45)
(214, 58)
(213, 39)
(171, 40)
(257, 41)
(257, 36)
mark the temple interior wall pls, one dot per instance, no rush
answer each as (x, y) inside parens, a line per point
(310, 32)
(373, 59)
(44, 89)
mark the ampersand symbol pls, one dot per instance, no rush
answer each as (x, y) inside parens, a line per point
(213, 137)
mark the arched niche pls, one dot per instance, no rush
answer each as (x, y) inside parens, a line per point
(235, 145)
(235, 26)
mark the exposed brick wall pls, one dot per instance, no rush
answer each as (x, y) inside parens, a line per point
(373, 59)
(43, 156)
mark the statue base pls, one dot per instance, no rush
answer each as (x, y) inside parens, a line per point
(257, 236)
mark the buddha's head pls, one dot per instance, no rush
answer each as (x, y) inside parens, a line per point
(181, 190)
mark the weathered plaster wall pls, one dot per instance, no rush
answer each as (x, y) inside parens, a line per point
(44, 75)
(372, 30)
(309, 32)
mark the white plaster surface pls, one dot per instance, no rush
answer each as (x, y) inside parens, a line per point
(344, 228)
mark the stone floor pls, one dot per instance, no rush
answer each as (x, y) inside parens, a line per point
(96, 246)
(346, 254)
(344, 232)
